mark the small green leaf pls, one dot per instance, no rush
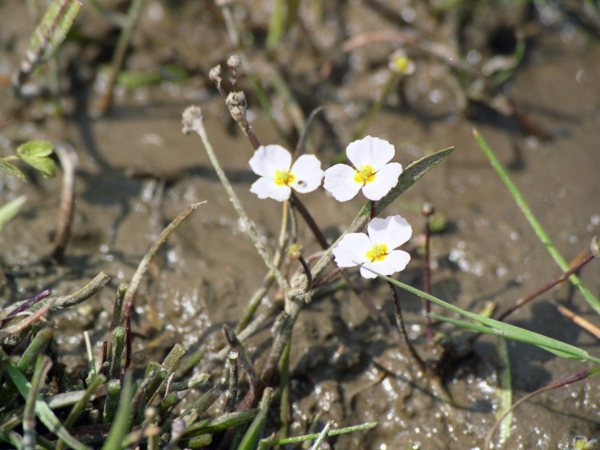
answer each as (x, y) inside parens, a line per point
(35, 149)
(121, 425)
(252, 436)
(36, 154)
(11, 169)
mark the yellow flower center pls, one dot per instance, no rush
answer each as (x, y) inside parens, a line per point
(377, 253)
(365, 175)
(283, 178)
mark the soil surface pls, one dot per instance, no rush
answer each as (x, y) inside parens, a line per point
(137, 171)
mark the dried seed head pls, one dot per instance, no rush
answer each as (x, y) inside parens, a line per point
(216, 76)
(236, 103)
(234, 62)
(427, 209)
(151, 413)
(595, 246)
(192, 119)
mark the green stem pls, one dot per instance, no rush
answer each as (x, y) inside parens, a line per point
(533, 222)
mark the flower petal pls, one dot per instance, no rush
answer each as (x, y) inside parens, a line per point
(394, 262)
(266, 188)
(352, 250)
(268, 159)
(340, 182)
(371, 151)
(393, 231)
(385, 180)
(307, 173)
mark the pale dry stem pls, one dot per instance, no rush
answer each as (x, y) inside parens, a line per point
(193, 121)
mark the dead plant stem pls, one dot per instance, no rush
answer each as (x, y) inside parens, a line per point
(141, 271)
(193, 120)
(68, 162)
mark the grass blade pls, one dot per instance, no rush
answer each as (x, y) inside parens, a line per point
(42, 366)
(122, 421)
(223, 422)
(537, 228)
(42, 410)
(495, 327)
(80, 405)
(48, 35)
(252, 436)
(10, 210)
(309, 437)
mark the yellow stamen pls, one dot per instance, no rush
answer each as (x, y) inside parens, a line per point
(365, 175)
(377, 253)
(283, 178)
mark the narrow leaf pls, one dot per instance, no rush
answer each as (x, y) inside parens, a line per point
(10, 210)
(35, 153)
(48, 36)
(252, 436)
(42, 410)
(498, 328)
(35, 149)
(411, 174)
(590, 298)
(122, 422)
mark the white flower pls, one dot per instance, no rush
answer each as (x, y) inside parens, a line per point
(372, 171)
(278, 176)
(376, 251)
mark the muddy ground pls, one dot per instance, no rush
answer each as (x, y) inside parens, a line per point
(137, 171)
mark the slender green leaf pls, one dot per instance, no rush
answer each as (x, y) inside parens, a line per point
(252, 436)
(122, 422)
(35, 149)
(309, 437)
(506, 330)
(55, 25)
(223, 422)
(411, 174)
(10, 210)
(11, 169)
(47, 37)
(533, 222)
(36, 154)
(42, 410)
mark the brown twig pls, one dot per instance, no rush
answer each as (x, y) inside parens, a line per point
(406, 38)
(427, 212)
(26, 304)
(103, 103)
(141, 271)
(546, 287)
(68, 161)
(579, 321)
(402, 330)
(236, 345)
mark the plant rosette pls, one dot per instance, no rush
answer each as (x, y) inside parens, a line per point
(278, 176)
(373, 173)
(375, 252)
